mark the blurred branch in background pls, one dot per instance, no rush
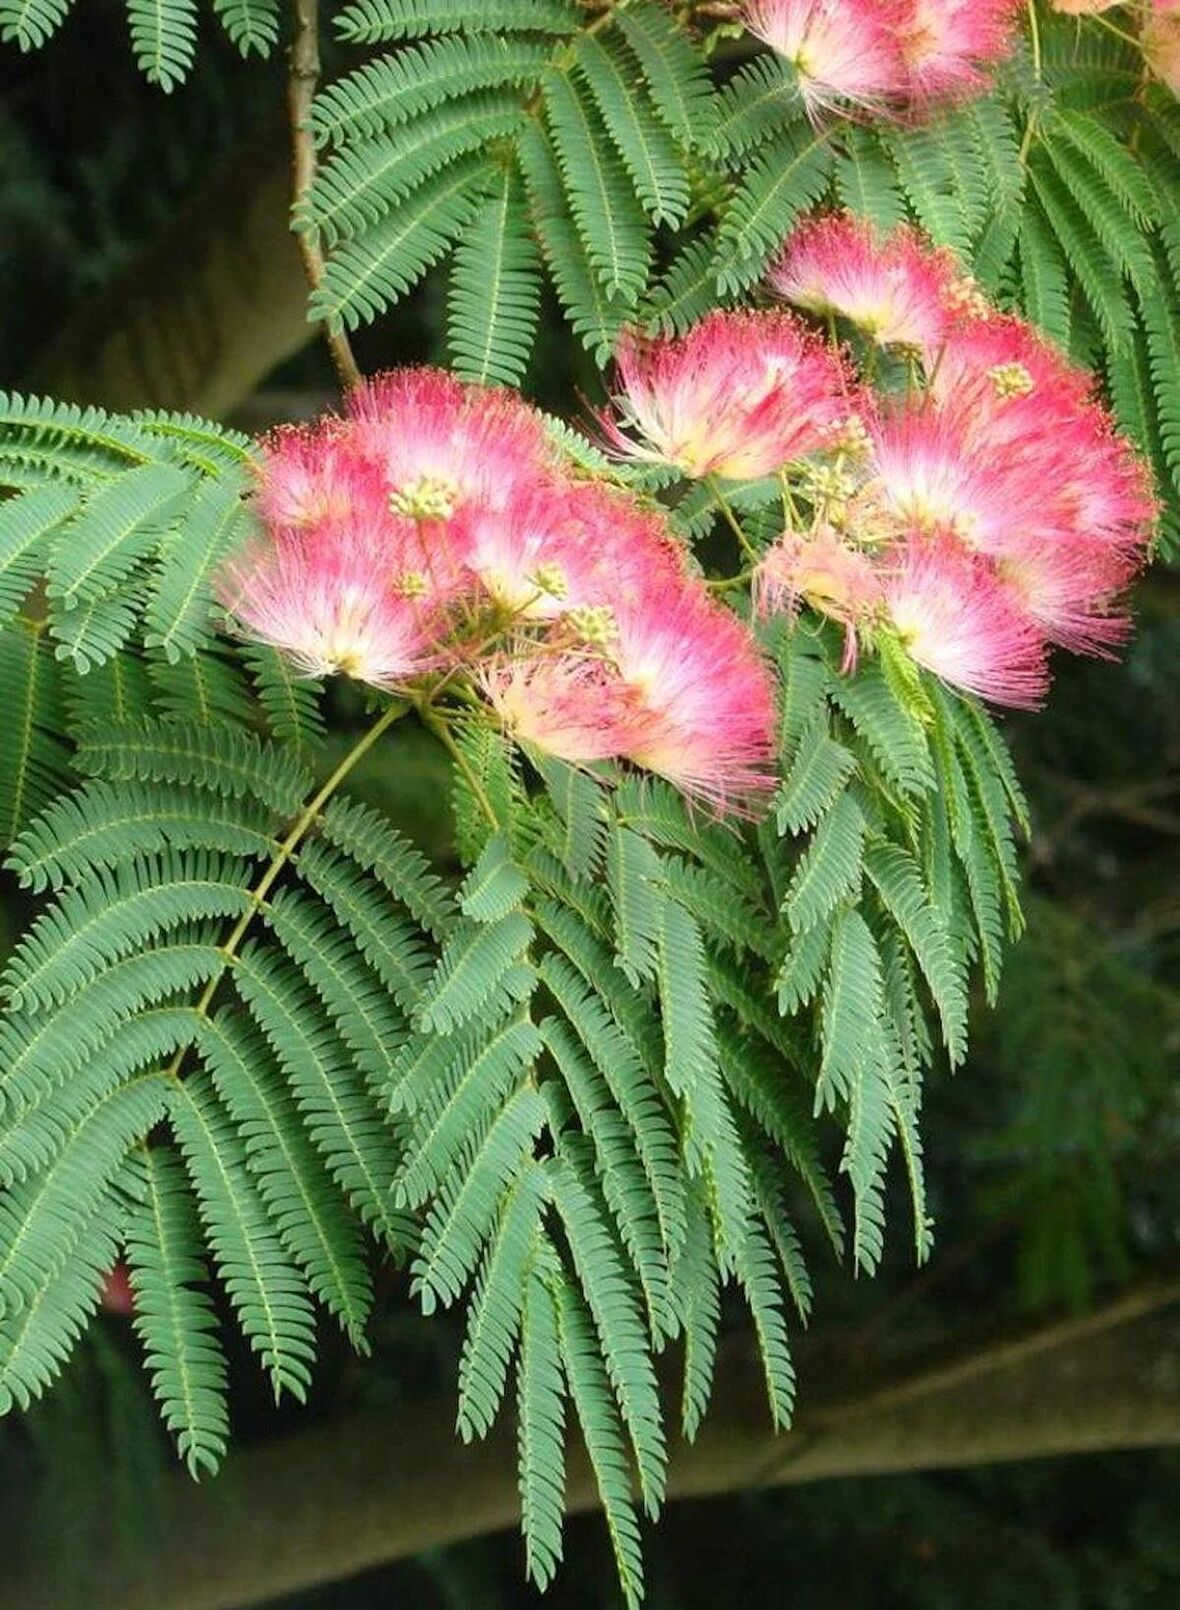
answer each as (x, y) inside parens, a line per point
(206, 310)
(363, 1489)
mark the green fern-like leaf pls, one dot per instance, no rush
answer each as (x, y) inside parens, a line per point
(361, 184)
(619, 1329)
(163, 39)
(650, 154)
(174, 1318)
(465, 1210)
(541, 1432)
(252, 25)
(303, 1203)
(31, 23)
(494, 1316)
(601, 198)
(370, 22)
(377, 268)
(495, 291)
(395, 89)
(267, 1291)
(674, 71)
(595, 318)
(37, 1340)
(34, 762)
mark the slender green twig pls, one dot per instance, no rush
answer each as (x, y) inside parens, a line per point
(731, 518)
(282, 855)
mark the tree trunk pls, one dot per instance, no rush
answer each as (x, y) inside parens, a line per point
(206, 311)
(363, 1490)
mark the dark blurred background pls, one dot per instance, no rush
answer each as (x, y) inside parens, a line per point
(137, 233)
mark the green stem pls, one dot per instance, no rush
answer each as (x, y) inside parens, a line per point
(1034, 38)
(298, 832)
(731, 518)
(440, 728)
(1119, 33)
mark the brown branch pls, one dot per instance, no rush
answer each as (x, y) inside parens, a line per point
(359, 1491)
(302, 79)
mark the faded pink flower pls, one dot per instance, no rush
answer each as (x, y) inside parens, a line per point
(738, 396)
(676, 686)
(571, 705)
(1161, 47)
(822, 571)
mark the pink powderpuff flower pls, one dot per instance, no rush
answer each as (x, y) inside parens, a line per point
(308, 477)
(563, 546)
(531, 557)
(570, 705)
(738, 396)
(1025, 408)
(330, 601)
(440, 447)
(893, 288)
(824, 572)
(956, 619)
(1070, 592)
(926, 473)
(699, 699)
(948, 45)
(846, 52)
(1003, 369)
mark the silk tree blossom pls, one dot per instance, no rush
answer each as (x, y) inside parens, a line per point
(954, 617)
(846, 52)
(327, 601)
(700, 705)
(1070, 592)
(927, 474)
(949, 45)
(678, 689)
(886, 55)
(435, 529)
(569, 705)
(559, 547)
(531, 557)
(993, 361)
(738, 396)
(441, 447)
(310, 478)
(894, 289)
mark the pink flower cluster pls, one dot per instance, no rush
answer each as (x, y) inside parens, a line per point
(980, 507)
(436, 539)
(886, 55)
